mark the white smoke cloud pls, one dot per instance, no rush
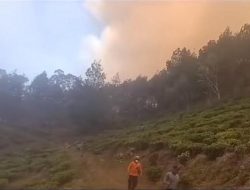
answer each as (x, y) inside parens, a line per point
(139, 36)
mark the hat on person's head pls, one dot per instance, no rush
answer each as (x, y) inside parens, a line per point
(137, 157)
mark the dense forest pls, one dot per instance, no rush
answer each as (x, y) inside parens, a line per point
(220, 71)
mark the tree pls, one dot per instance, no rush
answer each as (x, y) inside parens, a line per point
(220, 71)
(95, 76)
(12, 88)
(45, 99)
(39, 86)
(62, 81)
(88, 107)
(2, 73)
(183, 85)
(116, 81)
(209, 69)
(157, 88)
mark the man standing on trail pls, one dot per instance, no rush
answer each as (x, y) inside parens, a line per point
(171, 179)
(134, 171)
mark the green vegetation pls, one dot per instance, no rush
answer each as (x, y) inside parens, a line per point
(213, 132)
(183, 157)
(154, 173)
(53, 167)
(90, 103)
(63, 106)
(225, 128)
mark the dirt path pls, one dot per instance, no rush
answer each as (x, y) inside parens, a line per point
(101, 171)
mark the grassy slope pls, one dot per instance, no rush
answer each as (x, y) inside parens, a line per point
(206, 135)
(223, 128)
(218, 140)
(37, 168)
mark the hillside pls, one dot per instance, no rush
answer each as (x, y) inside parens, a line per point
(212, 146)
(220, 129)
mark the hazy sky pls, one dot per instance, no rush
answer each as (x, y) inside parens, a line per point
(44, 35)
(130, 37)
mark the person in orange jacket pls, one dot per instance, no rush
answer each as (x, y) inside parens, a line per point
(134, 171)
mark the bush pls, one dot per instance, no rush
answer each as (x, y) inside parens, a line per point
(240, 150)
(62, 177)
(153, 159)
(183, 157)
(157, 146)
(154, 173)
(60, 167)
(192, 148)
(40, 184)
(8, 174)
(235, 123)
(142, 145)
(214, 150)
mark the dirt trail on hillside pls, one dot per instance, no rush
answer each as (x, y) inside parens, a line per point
(104, 171)
(101, 171)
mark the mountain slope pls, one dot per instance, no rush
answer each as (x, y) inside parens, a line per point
(212, 147)
(224, 128)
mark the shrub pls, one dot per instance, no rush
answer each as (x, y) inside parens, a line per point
(142, 145)
(214, 150)
(157, 146)
(8, 174)
(183, 157)
(192, 148)
(62, 177)
(40, 184)
(153, 159)
(154, 173)
(235, 123)
(60, 167)
(248, 146)
(38, 165)
(233, 142)
(229, 134)
(240, 150)
(196, 137)
(246, 124)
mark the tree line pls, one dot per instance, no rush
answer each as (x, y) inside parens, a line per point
(219, 71)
